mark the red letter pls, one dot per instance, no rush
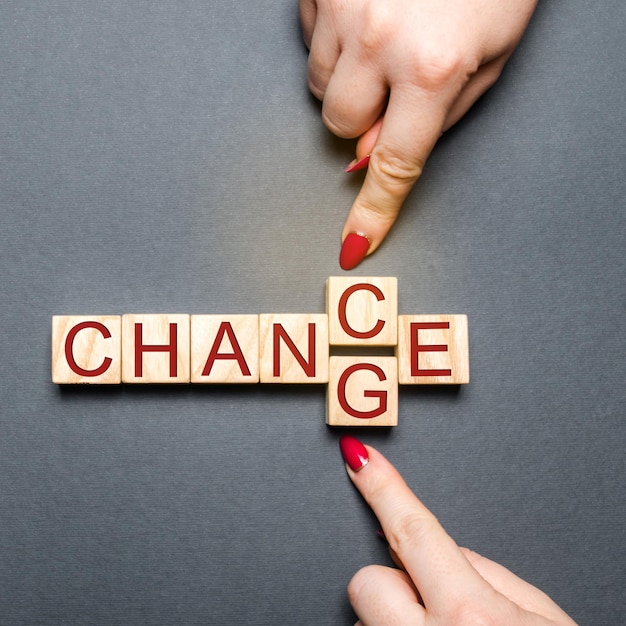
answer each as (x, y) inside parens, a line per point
(140, 349)
(237, 355)
(416, 348)
(381, 395)
(343, 320)
(69, 345)
(280, 332)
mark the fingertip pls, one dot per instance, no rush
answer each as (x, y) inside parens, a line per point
(362, 235)
(354, 453)
(354, 249)
(366, 227)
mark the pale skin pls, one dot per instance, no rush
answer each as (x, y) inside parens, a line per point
(438, 583)
(397, 74)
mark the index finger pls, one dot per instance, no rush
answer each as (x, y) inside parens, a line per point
(440, 571)
(412, 124)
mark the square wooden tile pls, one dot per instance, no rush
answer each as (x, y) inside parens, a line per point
(155, 348)
(362, 391)
(433, 350)
(224, 348)
(362, 311)
(87, 349)
(293, 348)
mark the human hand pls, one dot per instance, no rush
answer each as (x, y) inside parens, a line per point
(438, 583)
(398, 73)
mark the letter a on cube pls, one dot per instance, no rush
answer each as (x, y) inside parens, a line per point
(224, 348)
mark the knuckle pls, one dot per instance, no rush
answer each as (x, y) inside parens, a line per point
(480, 612)
(442, 65)
(395, 171)
(408, 531)
(473, 615)
(379, 19)
(315, 88)
(337, 117)
(439, 67)
(337, 123)
(318, 75)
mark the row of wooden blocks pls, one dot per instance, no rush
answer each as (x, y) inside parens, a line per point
(361, 313)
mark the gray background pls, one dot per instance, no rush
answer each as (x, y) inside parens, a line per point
(166, 157)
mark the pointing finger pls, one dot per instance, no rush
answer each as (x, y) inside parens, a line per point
(435, 564)
(403, 144)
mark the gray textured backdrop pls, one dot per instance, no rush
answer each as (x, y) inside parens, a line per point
(161, 156)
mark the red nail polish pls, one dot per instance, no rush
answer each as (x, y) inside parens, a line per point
(353, 452)
(358, 164)
(353, 250)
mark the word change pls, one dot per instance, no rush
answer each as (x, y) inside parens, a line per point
(361, 314)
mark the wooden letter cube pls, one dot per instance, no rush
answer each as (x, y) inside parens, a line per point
(293, 348)
(224, 348)
(362, 311)
(155, 348)
(433, 350)
(362, 391)
(87, 349)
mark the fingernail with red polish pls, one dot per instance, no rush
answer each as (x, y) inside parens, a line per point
(353, 452)
(358, 164)
(353, 250)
